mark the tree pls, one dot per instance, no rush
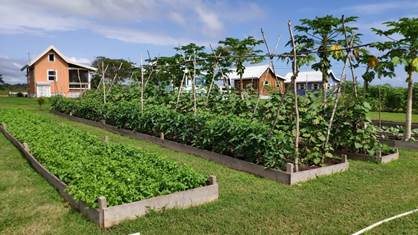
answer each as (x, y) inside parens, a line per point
(242, 51)
(322, 34)
(1, 79)
(117, 70)
(402, 51)
(194, 63)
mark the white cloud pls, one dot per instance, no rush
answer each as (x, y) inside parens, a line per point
(381, 7)
(10, 69)
(85, 61)
(210, 19)
(125, 20)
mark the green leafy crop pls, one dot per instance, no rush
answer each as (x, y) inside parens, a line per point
(93, 168)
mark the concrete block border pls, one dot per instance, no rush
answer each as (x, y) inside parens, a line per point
(287, 177)
(382, 159)
(401, 144)
(106, 216)
(393, 123)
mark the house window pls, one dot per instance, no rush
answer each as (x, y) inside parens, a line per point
(301, 86)
(266, 83)
(52, 75)
(316, 86)
(51, 57)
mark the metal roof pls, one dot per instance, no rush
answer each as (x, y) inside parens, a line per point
(32, 62)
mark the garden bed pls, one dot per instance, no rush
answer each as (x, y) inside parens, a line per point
(401, 144)
(106, 216)
(289, 176)
(379, 158)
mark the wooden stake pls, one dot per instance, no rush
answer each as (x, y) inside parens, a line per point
(295, 72)
(342, 79)
(348, 45)
(142, 86)
(194, 85)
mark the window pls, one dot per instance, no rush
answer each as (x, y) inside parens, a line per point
(266, 83)
(52, 75)
(51, 57)
(301, 86)
(316, 86)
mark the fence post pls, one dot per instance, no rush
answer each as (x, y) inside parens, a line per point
(289, 168)
(102, 203)
(162, 135)
(212, 180)
(26, 147)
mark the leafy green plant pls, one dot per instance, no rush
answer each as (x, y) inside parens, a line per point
(93, 168)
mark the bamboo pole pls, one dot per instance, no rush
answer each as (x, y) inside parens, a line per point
(343, 77)
(294, 76)
(194, 85)
(142, 86)
(350, 58)
(114, 78)
(103, 82)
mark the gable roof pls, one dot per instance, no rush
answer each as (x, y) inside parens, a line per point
(251, 72)
(32, 62)
(310, 76)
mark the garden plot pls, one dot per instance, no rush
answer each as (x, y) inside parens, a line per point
(106, 182)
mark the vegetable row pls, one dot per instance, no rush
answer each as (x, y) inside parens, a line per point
(92, 168)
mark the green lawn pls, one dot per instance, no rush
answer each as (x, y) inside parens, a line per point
(397, 117)
(339, 204)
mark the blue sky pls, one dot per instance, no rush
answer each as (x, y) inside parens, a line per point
(84, 29)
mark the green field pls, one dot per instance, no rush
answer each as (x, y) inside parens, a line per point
(397, 117)
(339, 204)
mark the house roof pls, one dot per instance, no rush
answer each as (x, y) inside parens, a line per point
(251, 72)
(32, 62)
(310, 76)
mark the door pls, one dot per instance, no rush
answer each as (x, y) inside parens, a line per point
(43, 90)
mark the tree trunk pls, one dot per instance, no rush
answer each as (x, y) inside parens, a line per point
(241, 86)
(366, 87)
(324, 86)
(180, 89)
(408, 116)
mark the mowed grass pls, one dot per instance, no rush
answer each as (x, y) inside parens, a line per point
(396, 117)
(338, 204)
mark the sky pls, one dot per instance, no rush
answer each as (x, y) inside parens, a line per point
(85, 29)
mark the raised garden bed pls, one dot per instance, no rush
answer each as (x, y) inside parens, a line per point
(401, 144)
(379, 158)
(289, 176)
(106, 216)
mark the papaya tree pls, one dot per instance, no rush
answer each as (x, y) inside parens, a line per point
(402, 50)
(322, 35)
(241, 52)
(196, 56)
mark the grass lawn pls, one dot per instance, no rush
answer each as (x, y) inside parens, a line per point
(397, 117)
(339, 204)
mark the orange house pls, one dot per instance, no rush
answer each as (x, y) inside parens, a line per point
(51, 73)
(261, 78)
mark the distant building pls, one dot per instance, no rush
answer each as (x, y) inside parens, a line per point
(310, 81)
(259, 77)
(51, 73)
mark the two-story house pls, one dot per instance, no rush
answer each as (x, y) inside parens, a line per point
(51, 73)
